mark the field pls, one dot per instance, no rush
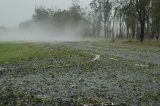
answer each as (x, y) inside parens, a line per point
(14, 52)
(79, 74)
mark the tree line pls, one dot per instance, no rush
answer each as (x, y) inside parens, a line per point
(121, 19)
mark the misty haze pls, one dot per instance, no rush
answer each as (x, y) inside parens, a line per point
(79, 53)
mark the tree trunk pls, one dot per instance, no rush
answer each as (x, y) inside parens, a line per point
(133, 32)
(157, 37)
(105, 29)
(120, 29)
(142, 30)
(142, 23)
(113, 32)
(127, 32)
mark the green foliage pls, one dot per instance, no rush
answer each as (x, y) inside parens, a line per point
(58, 17)
(13, 52)
(41, 14)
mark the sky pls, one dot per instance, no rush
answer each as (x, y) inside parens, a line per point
(12, 12)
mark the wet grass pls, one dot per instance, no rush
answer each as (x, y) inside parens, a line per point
(151, 43)
(13, 52)
(69, 77)
(145, 43)
(11, 97)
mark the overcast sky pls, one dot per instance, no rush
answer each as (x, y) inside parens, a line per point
(12, 12)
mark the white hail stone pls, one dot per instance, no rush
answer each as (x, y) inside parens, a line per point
(97, 57)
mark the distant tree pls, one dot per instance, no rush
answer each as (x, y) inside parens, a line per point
(118, 15)
(137, 9)
(96, 18)
(3, 29)
(26, 25)
(141, 8)
(106, 11)
(103, 10)
(75, 12)
(156, 18)
(129, 19)
(41, 15)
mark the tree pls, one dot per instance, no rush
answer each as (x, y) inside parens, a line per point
(141, 10)
(107, 6)
(120, 14)
(103, 10)
(41, 15)
(96, 18)
(137, 9)
(156, 18)
(3, 29)
(129, 20)
(26, 25)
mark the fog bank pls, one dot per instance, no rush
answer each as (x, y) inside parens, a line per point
(37, 35)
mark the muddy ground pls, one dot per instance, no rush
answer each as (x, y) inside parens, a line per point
(122, 75)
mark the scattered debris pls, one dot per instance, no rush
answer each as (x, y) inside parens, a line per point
(1, 69)
(141, 65)
(108, 104)
(43, 97)
(97, 57)
(88, 104)
(114, 59)
(112, 104)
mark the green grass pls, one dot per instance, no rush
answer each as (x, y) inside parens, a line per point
(13, 52)
(133, 42)
(147, 42)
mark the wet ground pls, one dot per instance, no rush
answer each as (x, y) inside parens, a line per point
(84, 74)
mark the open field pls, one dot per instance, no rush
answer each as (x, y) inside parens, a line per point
(81, 74)
(13, 52)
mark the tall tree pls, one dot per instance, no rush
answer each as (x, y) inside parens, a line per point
(96, 17)
(103, 9)
(138, 9)
(141, 9)
(106, 11)
(156, 18)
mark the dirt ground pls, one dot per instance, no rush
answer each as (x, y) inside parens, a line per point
(121, 75)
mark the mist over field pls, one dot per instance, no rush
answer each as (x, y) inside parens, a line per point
(42, 31)
(46, 24)
(37, 34)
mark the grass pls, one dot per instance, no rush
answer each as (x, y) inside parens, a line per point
(13, 52)
(67, 70)
(147, 42)
(134, 42)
